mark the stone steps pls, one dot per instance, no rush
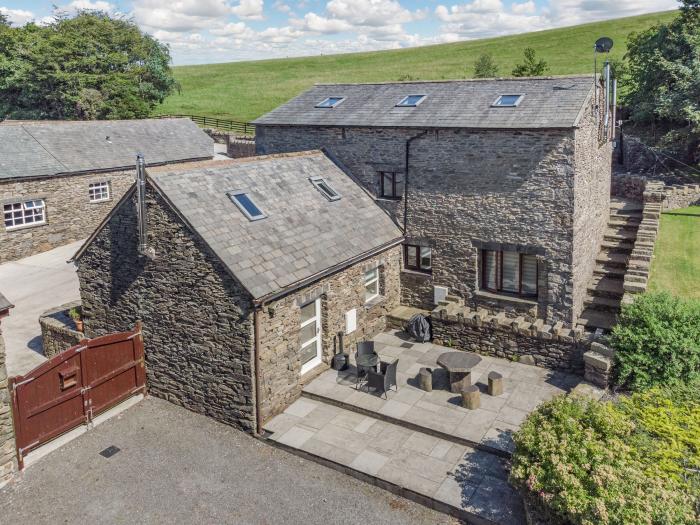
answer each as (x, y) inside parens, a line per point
(611, 271)
(602, 303)
(606, 287)
(624, 247)
(616, 260)
(619, 234)
(592, 319)
(469, 484)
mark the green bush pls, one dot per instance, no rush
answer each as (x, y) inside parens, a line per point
(657, 341)
(577, 460)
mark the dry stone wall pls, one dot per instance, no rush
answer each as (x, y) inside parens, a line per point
(58, 330)
(197, 320)
(8, 458)
(468, 190)
(681, 196)
(70, 216)
(551, 346)
(280, 366)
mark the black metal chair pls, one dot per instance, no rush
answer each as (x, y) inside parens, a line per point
(363, 348)
(383, 380)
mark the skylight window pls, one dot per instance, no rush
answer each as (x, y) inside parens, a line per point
(325, 188)
(410, 101)
(245, 203)
(508, 101)
(330, 102)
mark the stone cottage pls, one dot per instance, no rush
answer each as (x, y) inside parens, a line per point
(58, 180)
(501, 186)
(250, 275)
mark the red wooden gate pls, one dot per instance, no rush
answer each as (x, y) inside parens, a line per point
(75, 386)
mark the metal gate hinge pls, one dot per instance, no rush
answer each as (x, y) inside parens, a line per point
(15, 385)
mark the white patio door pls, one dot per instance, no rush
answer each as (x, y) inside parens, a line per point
(310, 335)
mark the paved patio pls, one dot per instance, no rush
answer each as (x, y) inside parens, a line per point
(440, 412)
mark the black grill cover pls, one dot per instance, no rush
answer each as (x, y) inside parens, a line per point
(419, 328)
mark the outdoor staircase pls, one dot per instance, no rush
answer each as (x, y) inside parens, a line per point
(605, 291)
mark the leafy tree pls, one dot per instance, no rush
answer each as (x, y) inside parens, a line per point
(4, 20)
(657, 341)
(664, 68)
(530, 67)
(91, 66)
(485, 67)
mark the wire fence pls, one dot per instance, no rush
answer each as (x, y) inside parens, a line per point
(243, 128)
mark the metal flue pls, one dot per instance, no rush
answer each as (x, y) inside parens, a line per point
(141, 203)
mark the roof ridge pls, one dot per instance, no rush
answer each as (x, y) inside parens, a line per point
(454, 80)
(70, 122)
(185, 167)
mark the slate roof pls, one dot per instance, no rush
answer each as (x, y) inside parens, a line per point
(46, 148)
(303, 234)
(553, 102)
(5, 304)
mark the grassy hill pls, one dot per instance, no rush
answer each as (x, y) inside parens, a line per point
(245, 90)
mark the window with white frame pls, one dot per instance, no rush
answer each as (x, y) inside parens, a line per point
(26, 213)
(99, 191)
(371, 284)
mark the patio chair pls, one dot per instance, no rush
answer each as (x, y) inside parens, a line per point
(363, 348)
(383, 380)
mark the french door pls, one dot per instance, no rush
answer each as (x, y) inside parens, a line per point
(310, 335)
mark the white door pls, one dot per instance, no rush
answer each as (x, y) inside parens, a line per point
(310, 335)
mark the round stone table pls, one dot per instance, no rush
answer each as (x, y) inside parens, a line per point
(459, 366)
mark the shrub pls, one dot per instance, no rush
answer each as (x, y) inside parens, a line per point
(485, 67)
(575, 458)
(657, 341)
(530, 67)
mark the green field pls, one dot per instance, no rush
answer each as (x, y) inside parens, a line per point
(676, 265)
(246, 90)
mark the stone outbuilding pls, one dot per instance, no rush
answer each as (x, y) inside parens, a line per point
(502, 186)
(59, 179)
(251, 274)
(8, 459)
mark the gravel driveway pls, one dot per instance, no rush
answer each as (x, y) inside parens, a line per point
(175, 466)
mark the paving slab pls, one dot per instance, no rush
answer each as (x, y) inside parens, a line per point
(471, 483)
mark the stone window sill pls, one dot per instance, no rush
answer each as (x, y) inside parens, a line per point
(415, 273)
(389, 199)
(12, 229)
(483, 294)
(374, 302)
(102, 201)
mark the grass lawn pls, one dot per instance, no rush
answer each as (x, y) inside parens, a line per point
(676, 265)
(246, 90)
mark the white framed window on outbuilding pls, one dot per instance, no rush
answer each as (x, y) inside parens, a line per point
(24, 213)
(99, 191)
(371, 284)
(508, 101)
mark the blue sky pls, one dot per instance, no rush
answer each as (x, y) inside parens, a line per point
(204, 31)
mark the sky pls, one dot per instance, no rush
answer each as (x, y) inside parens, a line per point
(208, 31)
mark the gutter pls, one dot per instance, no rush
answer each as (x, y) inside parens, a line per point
(405, 181)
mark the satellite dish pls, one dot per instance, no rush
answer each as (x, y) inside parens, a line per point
(603, 44)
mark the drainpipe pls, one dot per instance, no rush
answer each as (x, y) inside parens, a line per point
(405, 183)
(256, 369)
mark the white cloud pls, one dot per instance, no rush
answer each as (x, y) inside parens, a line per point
(99, 5)
(17, 17)
(181, 15)
(526, 8)
(282, 7)
(314, 23)
(249, 9)
(371, 12)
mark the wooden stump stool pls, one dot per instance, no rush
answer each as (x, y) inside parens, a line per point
(495, 384)
(425, 379)
(471, 397)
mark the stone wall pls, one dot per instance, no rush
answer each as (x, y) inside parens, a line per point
(58, 330)
(8, 457)
(280, 366)
(592, 179)
(681, 196)
(239, 148)
(198, 331)
(628, 186)
(70, 216)
(551, 346)
(468, 190)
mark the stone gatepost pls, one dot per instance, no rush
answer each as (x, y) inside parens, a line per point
(8, 457)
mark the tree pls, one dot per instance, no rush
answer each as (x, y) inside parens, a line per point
(92, 66)
(4, 20)
(485, 67)
(664, 68)
(530, 68)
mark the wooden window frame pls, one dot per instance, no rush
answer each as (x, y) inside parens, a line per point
(394, 194)
(499, 275)
(419, 267)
